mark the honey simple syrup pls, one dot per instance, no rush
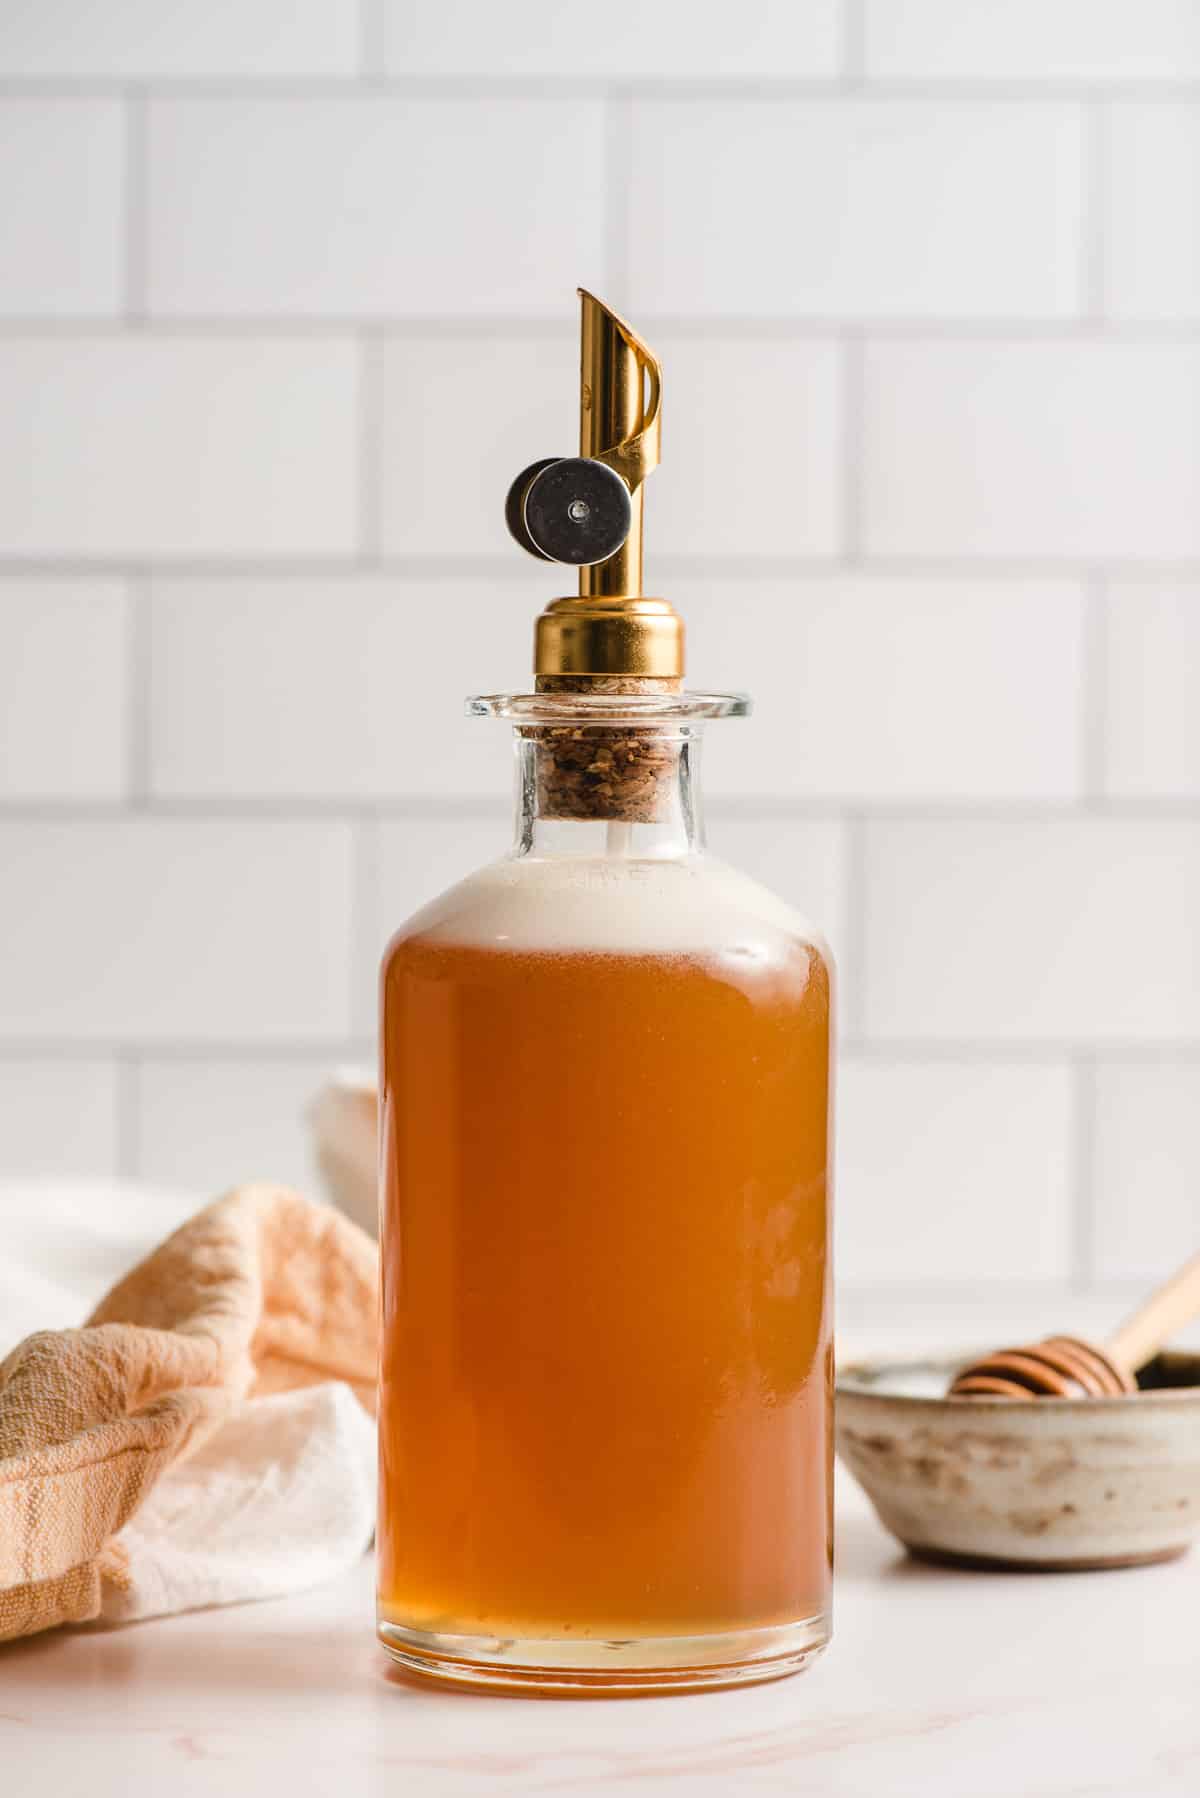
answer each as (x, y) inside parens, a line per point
(605, 1395)
(605, 1402)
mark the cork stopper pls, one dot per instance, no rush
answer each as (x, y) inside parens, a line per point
(607, 748)
(623, 773)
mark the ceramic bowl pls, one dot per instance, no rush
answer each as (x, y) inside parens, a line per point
(1050, 1484)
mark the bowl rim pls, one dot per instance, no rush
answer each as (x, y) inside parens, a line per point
(845, 1385)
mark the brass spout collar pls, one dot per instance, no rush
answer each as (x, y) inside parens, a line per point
(642, 638)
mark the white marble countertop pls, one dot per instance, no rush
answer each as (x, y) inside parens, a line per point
(1007, 1686)
(938, 1682)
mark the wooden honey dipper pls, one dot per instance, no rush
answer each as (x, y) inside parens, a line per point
(1069, 1367)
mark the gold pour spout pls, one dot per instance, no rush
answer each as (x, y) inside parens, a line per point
(620, 424)
(586, 511)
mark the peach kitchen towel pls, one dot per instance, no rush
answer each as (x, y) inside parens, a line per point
(204, 1438)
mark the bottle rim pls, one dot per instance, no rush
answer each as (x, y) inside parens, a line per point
(607, 708)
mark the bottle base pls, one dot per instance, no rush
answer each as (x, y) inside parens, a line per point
(650, 1664)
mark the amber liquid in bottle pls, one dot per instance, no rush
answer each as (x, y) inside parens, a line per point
(605, 1401)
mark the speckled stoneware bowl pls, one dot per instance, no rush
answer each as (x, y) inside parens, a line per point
(1050, 1484)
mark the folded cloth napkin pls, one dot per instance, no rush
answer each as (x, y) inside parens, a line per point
(204, 1438)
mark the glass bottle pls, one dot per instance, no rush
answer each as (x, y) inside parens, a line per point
(606, 1383)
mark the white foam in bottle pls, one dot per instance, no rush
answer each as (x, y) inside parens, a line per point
(693, 905)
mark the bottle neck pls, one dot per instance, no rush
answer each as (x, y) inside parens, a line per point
(590, 816)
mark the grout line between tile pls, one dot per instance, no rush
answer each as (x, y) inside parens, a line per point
(1106, 1051)
(992, 1052)
(490, 568)
(290, 807)
(983, 329)
(269, 808)
(188, 1050)
(569, 84)
(995, 1052)
(861, 1297)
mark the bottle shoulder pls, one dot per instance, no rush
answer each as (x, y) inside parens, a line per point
(682, 905)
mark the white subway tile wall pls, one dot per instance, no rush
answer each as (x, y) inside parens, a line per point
(501, 395)
(885, 690)
(1032, 930)
(1147, 1152)
(773, 488)
(1059, 450)
(936, 1153)
(286, 298)
(153, 930)
(66, 688)
(1151, 682)
(209, 1125)
(129, 446)
(1152, 241)
(654, 39)
(342, 688)
(60, 1118)
(62, 199)
(313, 209)
(173, 40)
(804, 860)
(855, 208)
(1031, 40)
